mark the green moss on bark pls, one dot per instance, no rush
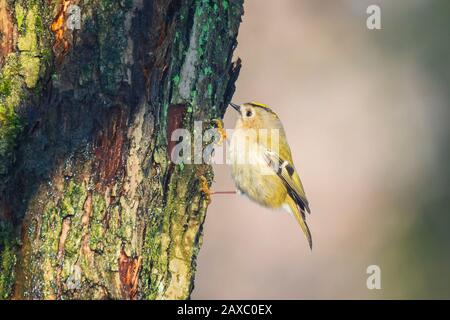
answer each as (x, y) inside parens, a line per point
(7, 259)
(22, 69)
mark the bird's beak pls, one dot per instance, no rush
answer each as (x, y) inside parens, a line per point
(236, 107)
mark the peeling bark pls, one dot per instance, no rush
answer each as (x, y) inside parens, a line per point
(6, 31)
(91, 207)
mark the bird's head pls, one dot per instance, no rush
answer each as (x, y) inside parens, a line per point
(255, 115)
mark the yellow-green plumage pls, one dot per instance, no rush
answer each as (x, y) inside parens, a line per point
(253, 155)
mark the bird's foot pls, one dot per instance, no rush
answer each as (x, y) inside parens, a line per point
(204, 187)
(221, 130)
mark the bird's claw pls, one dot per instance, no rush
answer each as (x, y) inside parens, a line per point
(221, 130)
(204, 187)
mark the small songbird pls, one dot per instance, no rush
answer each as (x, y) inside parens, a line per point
(261, 163)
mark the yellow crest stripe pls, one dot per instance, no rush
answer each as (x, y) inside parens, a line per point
(257, 104)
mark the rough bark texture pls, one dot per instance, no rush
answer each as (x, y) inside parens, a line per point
(90, 204)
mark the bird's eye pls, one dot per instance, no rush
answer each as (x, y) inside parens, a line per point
(249, 113)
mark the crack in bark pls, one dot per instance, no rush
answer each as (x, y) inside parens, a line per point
(60, 257)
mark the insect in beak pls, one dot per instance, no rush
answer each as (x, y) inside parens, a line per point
(236, 107)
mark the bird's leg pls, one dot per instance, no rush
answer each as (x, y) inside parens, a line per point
(207, 191)
(223, 192)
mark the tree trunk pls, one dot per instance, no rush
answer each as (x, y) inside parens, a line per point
(91, 205)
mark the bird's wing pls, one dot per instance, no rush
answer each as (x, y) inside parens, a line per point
(286, 171)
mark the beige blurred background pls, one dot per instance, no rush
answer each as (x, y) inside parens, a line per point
(366, 115)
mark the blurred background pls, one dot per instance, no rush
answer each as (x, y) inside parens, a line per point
(366, 113)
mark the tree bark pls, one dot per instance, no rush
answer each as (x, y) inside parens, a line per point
(91, 205)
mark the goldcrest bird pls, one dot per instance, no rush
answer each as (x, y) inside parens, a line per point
(261, 163)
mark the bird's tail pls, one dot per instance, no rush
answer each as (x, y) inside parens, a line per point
(300, 217)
